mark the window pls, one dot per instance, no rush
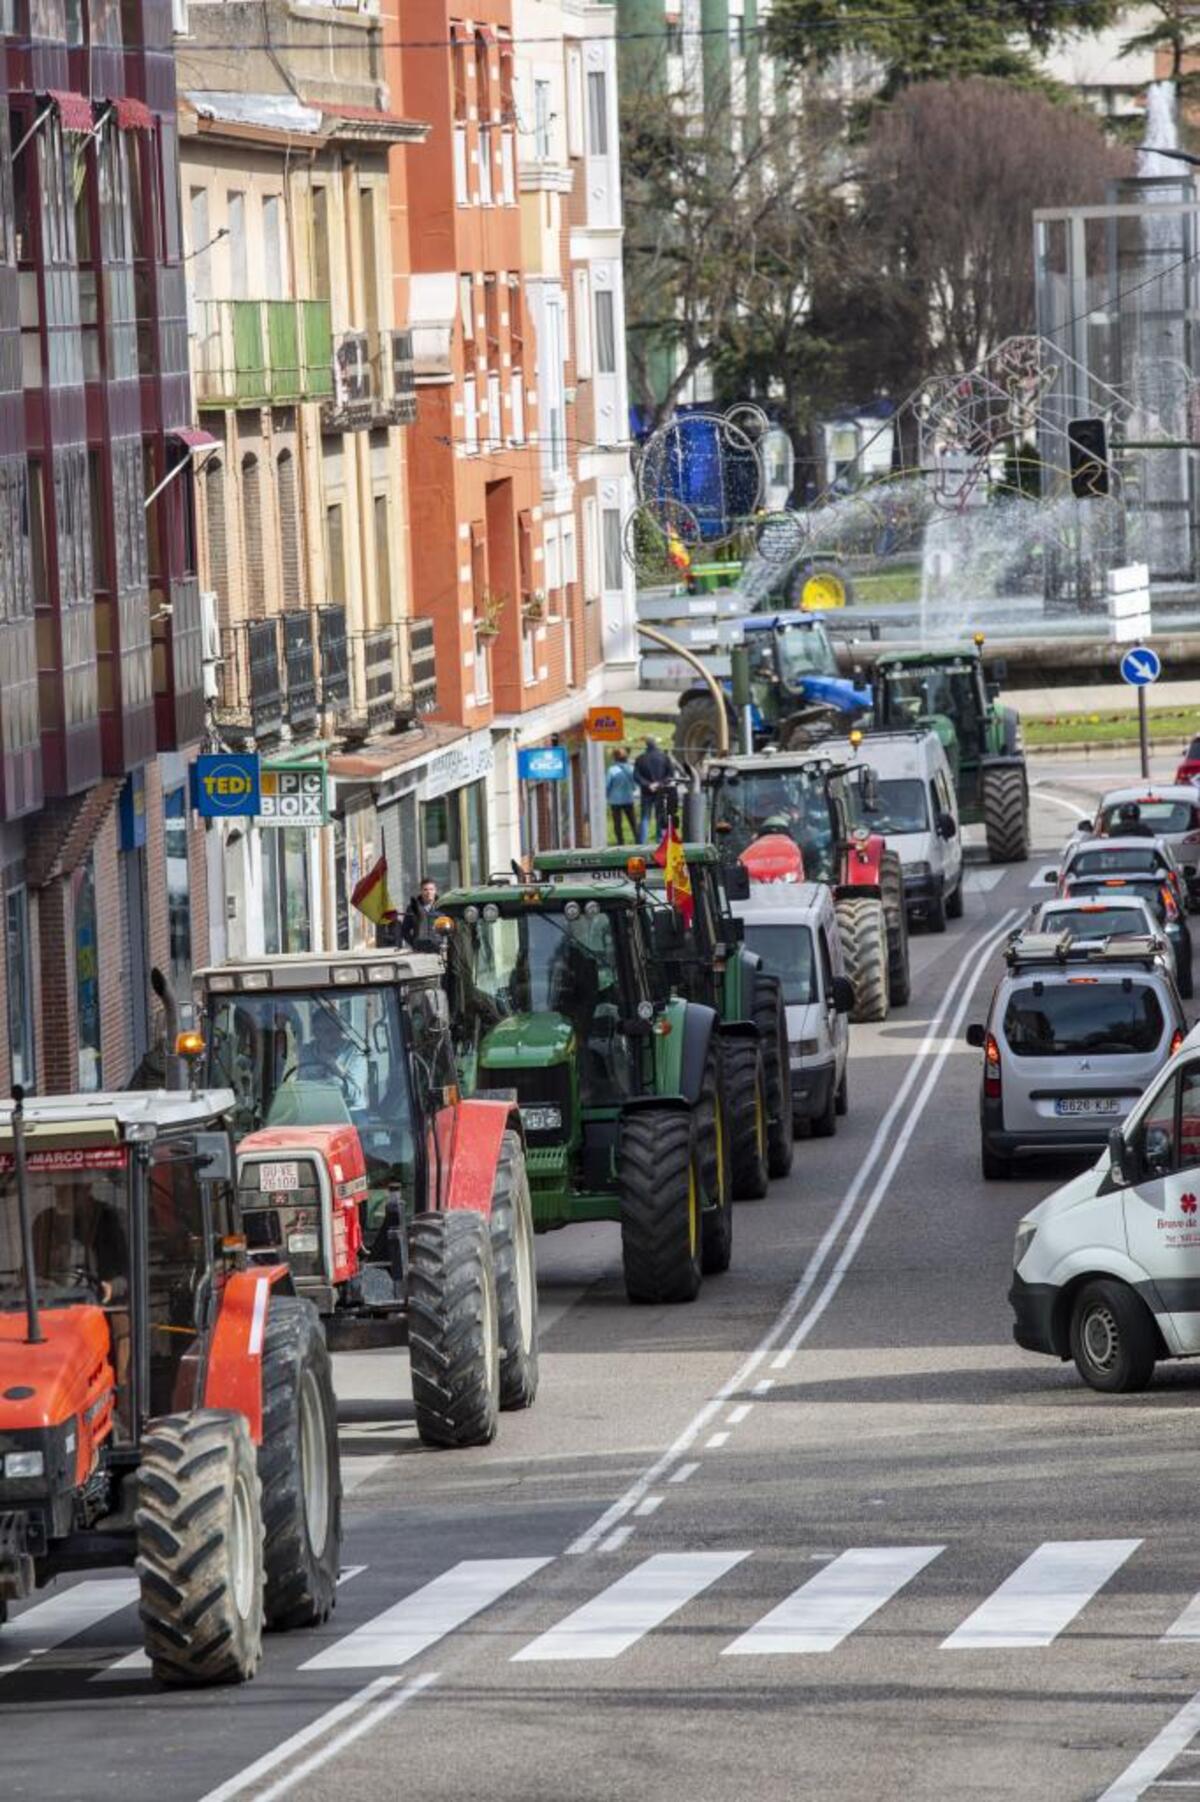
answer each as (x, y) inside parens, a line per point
(574, 103)
(591, 546)
(178, 1239)
(491, 304)
(737, 34)
(486, 193)
(583, 324)
(570, 567)
(462, 194)
(1092, 1019)
(483, 669)
(235, 203)
(87, 974)
(458, 53)
(516, 320)
(366, 208)
(674, 36)
(466, 307)
(614, 571)
(528, 654)
(289, 529)
(272, 247)
(787, 951)
(168, 187)
(597, 84)
(321, 284)
(383, 557)
(470, 415)
(335, 555)
(201, 250)
(252, 535)
(179, 903)
(553, 566)
(541, 121)
(19, 961)
(495, 409)
(286, 924)
(516, 430)
(483, 81)
(606, 334)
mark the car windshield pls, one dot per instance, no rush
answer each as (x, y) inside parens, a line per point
(804, 651)
(1166, 817)
(787, 951)
(903, 806)
(793, 802)
(1085, 1017)
(914, 693)
(80, 1216)
(319, 1058)
(1116, 863)
(1149, 891)
(1095, 922)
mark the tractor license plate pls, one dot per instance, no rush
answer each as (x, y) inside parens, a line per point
(303, 1243)
(1087, 1104)
(276, 1178)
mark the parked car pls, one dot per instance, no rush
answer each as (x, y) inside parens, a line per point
(1074, 1032)
(917, 810)
(1170, 810)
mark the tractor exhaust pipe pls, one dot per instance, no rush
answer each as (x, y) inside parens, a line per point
(33, 1318)
(170, 1006)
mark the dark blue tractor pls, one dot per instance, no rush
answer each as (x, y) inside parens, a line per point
(796, 693)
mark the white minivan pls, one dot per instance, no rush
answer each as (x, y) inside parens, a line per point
(794, 929)
(1107, 1270)
(917, 812)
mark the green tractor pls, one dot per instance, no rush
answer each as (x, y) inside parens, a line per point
(713, 967)
(949, 691)
(559, 999)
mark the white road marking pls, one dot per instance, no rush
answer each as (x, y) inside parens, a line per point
(629, 1608)
(765, 1387)
(716, 1441)
(683, 1473)
(616, 1540)
(972, 961)
(61, 1617)
(373, 1704)
(1043, 1595)
(979, 882)
(1075, 807)
(650, 1506)
(364, 1469)
(408, 1628)
(1188, 1624)
(737, 1415)
(819, 1615)
(1158, 1756)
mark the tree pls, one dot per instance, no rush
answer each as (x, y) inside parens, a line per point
(1176, 31)
(931, 40)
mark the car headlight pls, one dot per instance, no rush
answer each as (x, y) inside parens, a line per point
(1026, 1234)
(918, 869)
(542, 1119)
(24, 1464)
(806, 1047)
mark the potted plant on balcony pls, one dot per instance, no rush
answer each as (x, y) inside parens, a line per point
(533, 606)
(488, 612)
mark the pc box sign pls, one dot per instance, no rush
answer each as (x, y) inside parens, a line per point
(226, 786)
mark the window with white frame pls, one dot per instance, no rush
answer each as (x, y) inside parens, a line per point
(483, 669)
(486, 195)
(541, 121)
(574, 103)
(470, 415)
(597, 84)
(606, 332)
(528, 653)
(495, 421)
(551, 389)
(614, 571)
(583, 325)
(466, 307)
(591, 547)
(550, 545)
(516, 431)
(570, 563)
(462, 194)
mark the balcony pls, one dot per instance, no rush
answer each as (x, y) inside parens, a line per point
(374, 382)
(394, 678)
(261, 352)
(299, 658)
(335, 659)
(251, 699)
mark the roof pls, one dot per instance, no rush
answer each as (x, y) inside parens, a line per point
(767, 622)
(312, 969)
(160, 1109)
(1118, 841)
(615, 857)
(289, 116)
(512, 894)
(828, 750)
(1071, 904)
(785, 899)
(375, 760)
(932, 654)
(1151, 791)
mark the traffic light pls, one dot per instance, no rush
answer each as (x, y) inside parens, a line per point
(1089, 458)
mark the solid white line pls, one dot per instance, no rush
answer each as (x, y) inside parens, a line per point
(715, 1442)
(932, 1066)
(48, 1624)
(1043, 1595)
(971, 956)
(629, 1608)
(1075, 807)
(1162, 1752)
(650, 1506)
(408, 1628)
(616, 1540)
(818, 1616)
(683, 1473)
(763, 1388)
(373, 1704)
(737, 1415)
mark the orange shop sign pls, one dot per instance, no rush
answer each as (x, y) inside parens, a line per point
(605, 724)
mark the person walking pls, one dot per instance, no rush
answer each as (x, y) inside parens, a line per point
(621, 791)
(655, 772)
(417, 929)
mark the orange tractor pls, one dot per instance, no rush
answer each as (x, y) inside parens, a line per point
(162, 1403)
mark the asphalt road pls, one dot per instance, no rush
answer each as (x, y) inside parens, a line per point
(827, 1533)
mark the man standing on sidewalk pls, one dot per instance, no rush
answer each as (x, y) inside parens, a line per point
(654, 772)
(621, 791)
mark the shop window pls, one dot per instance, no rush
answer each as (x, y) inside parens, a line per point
(441, 842)
(179, 904)
(287, 924)
(87, 975)
(19, 971)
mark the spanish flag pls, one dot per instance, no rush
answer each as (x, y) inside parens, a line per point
(670, 858)
(677, 552)
(371, 896)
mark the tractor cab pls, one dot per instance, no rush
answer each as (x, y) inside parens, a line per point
(788, 650)
(804, 796)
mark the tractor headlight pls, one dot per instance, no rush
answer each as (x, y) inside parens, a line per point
(1026, 1234)
(19, 1465)
(542, 1119)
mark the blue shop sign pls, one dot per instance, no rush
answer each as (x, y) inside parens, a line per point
(547, 763)
(226, 786)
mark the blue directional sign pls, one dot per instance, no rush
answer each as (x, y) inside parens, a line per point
(1140, 666)
(545, 763)
(226, 786)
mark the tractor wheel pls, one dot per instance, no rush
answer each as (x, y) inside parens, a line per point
(770, 1017)
(810, 727)
(716, 1223)
(200, 1548)
(1005, 813)
(865, 949)
(891, 875)
(659, 1178)
(954, 900)
(453, 1329)
(696, 731)
(746, 1115)
(300, 1469)
(516, 1276)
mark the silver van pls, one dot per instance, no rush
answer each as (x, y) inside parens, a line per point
(1074, 1032)
(793, 928)
(917, 811)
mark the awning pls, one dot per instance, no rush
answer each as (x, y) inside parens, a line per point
(133, 115)
(487, 33)
(193, 437)
(74, 111)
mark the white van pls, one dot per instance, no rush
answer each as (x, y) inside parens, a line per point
(918, 815)
(1107, 1270)
(794, 929)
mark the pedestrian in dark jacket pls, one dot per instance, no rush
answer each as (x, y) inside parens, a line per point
(417, 927)
(655, 772)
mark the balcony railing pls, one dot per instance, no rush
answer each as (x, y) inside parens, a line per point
(299, 656)
(374, 383)
(251, 699)
(394, 679)
(335, 659)
(247, 352)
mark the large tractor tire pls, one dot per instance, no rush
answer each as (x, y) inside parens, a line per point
(516, 1276)
(453, 1332)
(865, 948)
(300, 1468)
(696, 730)
(770, 1016)
(716, 1222)
(1005, 806)
(659, 1178)
(891, 879)
(746, 1115)
(200, 1549)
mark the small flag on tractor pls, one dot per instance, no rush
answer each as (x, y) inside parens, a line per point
(677, 552)
(670, 858)
(371, 896)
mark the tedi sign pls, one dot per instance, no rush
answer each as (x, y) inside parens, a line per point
(226, 786)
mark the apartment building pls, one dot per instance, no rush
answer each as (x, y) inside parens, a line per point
(101, 693)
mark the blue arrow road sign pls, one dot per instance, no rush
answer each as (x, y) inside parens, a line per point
(1141, 666)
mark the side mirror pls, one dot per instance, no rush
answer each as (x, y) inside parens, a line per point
(666, 936)
(1117, 1154)
(997, 672)
(734, 930)
(737, 882)
(976, 1035)
(947, 825)
(843, 995)
(1050, 878)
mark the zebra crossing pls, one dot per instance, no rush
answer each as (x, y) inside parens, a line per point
(1035, 1605)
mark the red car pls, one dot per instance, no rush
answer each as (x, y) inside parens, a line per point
(1189, 769)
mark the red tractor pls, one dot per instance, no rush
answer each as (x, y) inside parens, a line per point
(400, 1210)
(163, 1403)
(818, 798)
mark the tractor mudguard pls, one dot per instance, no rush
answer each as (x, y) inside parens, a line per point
(861, 864)
(737, 1029)
(471, 1149)
(698, 1025)
(233, 1377)
(997, 760)
(837, 692)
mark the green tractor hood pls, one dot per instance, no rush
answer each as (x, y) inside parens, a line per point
(528, 1042)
